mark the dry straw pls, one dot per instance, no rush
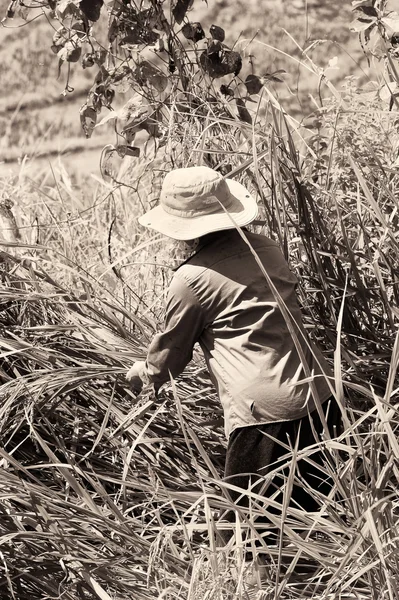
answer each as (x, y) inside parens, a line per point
(104, 495)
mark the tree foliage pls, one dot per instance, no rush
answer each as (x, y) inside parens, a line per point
(167, 62)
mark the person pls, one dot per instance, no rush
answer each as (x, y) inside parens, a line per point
(220, 298)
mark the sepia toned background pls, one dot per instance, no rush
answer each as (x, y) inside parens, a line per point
(39, 121)
(112, 496)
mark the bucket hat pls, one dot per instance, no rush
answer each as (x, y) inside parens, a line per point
(192, 203)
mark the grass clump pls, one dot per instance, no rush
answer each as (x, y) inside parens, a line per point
(100, 472)
(106, 496)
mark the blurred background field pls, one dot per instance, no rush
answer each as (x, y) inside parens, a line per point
(52, 172)
(37, 121)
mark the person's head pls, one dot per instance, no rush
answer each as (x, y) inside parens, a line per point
(196, 201)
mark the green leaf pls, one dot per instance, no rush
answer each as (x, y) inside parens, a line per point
(243, 112)
(68, 7)
(60, 37)
(359, 25)
(217, 33)
(193, 32)
(357, 3)
(253, 84)
(133, 110)
(88, 119)
(111, 116)
(136, 36)
(70, 52)
(91, 9)
(74, 55)
(226, 91)
(78, 29)
(364, 11)
(180, 8)
(386, 91)
(391, 23)
(145, 72)
(218, 63)
(365, 17)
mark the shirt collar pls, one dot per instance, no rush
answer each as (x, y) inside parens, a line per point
(205, 240)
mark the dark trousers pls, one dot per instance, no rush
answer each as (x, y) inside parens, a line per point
(252, 452)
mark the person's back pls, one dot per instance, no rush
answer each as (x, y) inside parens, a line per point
(246, 342)
(220, 298)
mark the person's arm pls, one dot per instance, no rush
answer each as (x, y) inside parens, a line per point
(171, 350)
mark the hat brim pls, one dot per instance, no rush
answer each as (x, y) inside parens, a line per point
(242, 210)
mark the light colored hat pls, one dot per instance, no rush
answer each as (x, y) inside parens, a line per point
(191, 204)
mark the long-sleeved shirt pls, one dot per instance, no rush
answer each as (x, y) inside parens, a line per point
(221, 299)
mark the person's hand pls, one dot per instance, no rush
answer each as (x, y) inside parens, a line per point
(135, 376)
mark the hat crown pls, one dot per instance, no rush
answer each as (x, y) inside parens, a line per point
(194, 191)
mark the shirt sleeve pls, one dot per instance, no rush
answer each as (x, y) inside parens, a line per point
(172, 350)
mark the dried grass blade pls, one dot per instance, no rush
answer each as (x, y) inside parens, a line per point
(393, 370)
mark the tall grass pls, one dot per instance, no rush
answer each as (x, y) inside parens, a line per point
(104, 495)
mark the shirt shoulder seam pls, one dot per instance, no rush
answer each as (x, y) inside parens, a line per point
(185, 280)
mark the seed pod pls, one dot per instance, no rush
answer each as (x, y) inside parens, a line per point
(180, 8)
(127, 150)
(109, 95)
(87, 60)
(243, 112)
(395, 40)
(11, 9)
